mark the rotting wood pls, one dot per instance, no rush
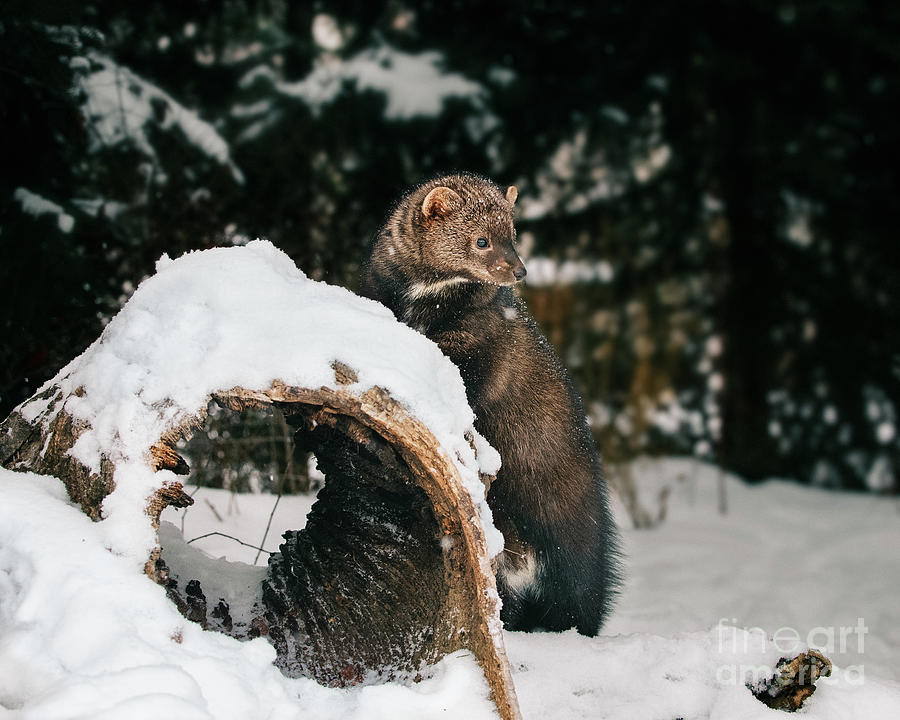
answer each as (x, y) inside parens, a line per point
(794, 681)
(407, 478)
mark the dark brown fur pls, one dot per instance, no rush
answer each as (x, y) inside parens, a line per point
(550, 498)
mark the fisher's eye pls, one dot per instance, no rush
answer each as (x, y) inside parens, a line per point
(482, 242)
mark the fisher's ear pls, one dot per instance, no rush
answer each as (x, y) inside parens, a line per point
(512, 192)
(441, 201)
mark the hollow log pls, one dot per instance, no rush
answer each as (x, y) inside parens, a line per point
(391, 571)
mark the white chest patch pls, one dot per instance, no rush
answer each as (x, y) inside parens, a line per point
(421, 289)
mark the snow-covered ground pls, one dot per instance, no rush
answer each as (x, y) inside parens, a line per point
(783, 556)
(786, 562)
(84, 635)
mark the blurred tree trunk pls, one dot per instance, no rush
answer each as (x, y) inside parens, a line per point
(751, 293)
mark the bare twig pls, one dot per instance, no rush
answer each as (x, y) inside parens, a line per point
(213, 508)
(184, 512)
(663, 504)
(239, 542)
(268, 525)
(723, 500)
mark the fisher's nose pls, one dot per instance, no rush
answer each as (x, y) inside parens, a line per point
(519, 271)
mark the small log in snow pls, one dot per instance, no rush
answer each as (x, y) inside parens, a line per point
(794, 681)
(391, 571)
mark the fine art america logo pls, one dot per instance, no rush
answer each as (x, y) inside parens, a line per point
(743, 643)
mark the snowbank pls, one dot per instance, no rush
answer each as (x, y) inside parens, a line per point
(85, 634)
(784, 556)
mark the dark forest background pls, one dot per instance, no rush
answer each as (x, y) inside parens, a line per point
(708, 189)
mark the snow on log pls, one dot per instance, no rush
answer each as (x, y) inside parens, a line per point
(393, 568)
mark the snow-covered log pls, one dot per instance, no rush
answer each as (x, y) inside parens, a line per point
(393, 568)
